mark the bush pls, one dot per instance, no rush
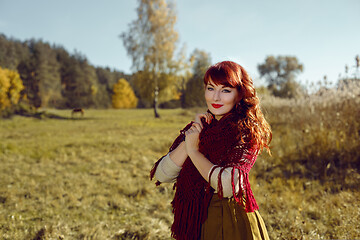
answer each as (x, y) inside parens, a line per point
(10, 87)
(123, 95)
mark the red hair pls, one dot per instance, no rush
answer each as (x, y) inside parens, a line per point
(252, 120)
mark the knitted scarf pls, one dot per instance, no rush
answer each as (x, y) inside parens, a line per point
(220, 143)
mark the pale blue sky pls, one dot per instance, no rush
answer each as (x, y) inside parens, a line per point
(323, 34)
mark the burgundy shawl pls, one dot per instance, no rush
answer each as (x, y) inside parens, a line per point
(223, 145)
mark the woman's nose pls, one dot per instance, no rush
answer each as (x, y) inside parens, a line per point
(216, 95)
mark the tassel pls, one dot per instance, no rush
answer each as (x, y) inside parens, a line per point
(251, 204)
(153, 170)
(208, 187)
(237, 195)
(220, 187)
(187, 225)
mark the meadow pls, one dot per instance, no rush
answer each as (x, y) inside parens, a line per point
(88, 178)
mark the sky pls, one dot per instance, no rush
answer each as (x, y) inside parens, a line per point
(323, 34)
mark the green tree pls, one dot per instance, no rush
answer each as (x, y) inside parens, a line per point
(289, 89)
(79, 81)
(151, 42)
(10, 88)
(40, 74)
(47, 70)
(27, 71)
(123, 95)
(194, 92)
(105, 77)
(106, 80)
(12, 52)
(144, 87)
(280, 73)
(79, 85)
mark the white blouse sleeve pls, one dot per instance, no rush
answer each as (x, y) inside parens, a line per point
(225, 180)
(167, 171)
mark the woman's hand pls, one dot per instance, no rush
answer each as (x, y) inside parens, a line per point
(192, 134)
(208, 118)
(192, 137)
(202, 164)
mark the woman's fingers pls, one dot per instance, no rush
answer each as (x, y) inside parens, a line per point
(198, 118)
(197, 126)
(208, 117)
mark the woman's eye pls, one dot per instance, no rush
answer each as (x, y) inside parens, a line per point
(226, 91)
(210, 88)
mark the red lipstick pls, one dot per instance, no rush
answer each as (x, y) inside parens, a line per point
(216, 105)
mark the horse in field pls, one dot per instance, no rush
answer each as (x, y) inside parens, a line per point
(76, 111)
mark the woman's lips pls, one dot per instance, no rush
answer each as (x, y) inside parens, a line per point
(216, 105)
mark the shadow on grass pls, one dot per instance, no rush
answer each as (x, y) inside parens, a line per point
(339, 178)
(46, 115)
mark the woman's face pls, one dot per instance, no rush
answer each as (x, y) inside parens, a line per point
(220, 99)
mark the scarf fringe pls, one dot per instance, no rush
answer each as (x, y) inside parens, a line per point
(187, 226)
(244, 192)
(153, 170)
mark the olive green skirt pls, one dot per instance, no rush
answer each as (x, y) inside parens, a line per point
(228, 220)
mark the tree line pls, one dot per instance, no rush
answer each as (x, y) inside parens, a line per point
(54, 78)
(47, 75)
(162, 74)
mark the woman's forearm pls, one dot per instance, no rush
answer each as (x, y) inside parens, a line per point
(179, 155)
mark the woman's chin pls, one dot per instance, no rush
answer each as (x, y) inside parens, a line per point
(218, 114)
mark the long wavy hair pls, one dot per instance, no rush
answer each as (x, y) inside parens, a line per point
(251, 119)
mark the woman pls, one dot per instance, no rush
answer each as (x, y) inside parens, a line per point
(210, 161)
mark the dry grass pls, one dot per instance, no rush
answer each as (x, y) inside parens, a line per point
(311, 182)
(88, 178)
(82, 179)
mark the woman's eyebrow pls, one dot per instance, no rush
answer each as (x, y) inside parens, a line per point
(223, 86)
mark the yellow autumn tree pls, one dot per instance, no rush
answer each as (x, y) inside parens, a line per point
(10, 87)
(151, 41)
(123, 95)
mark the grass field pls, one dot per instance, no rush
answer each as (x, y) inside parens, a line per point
(87, 178)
